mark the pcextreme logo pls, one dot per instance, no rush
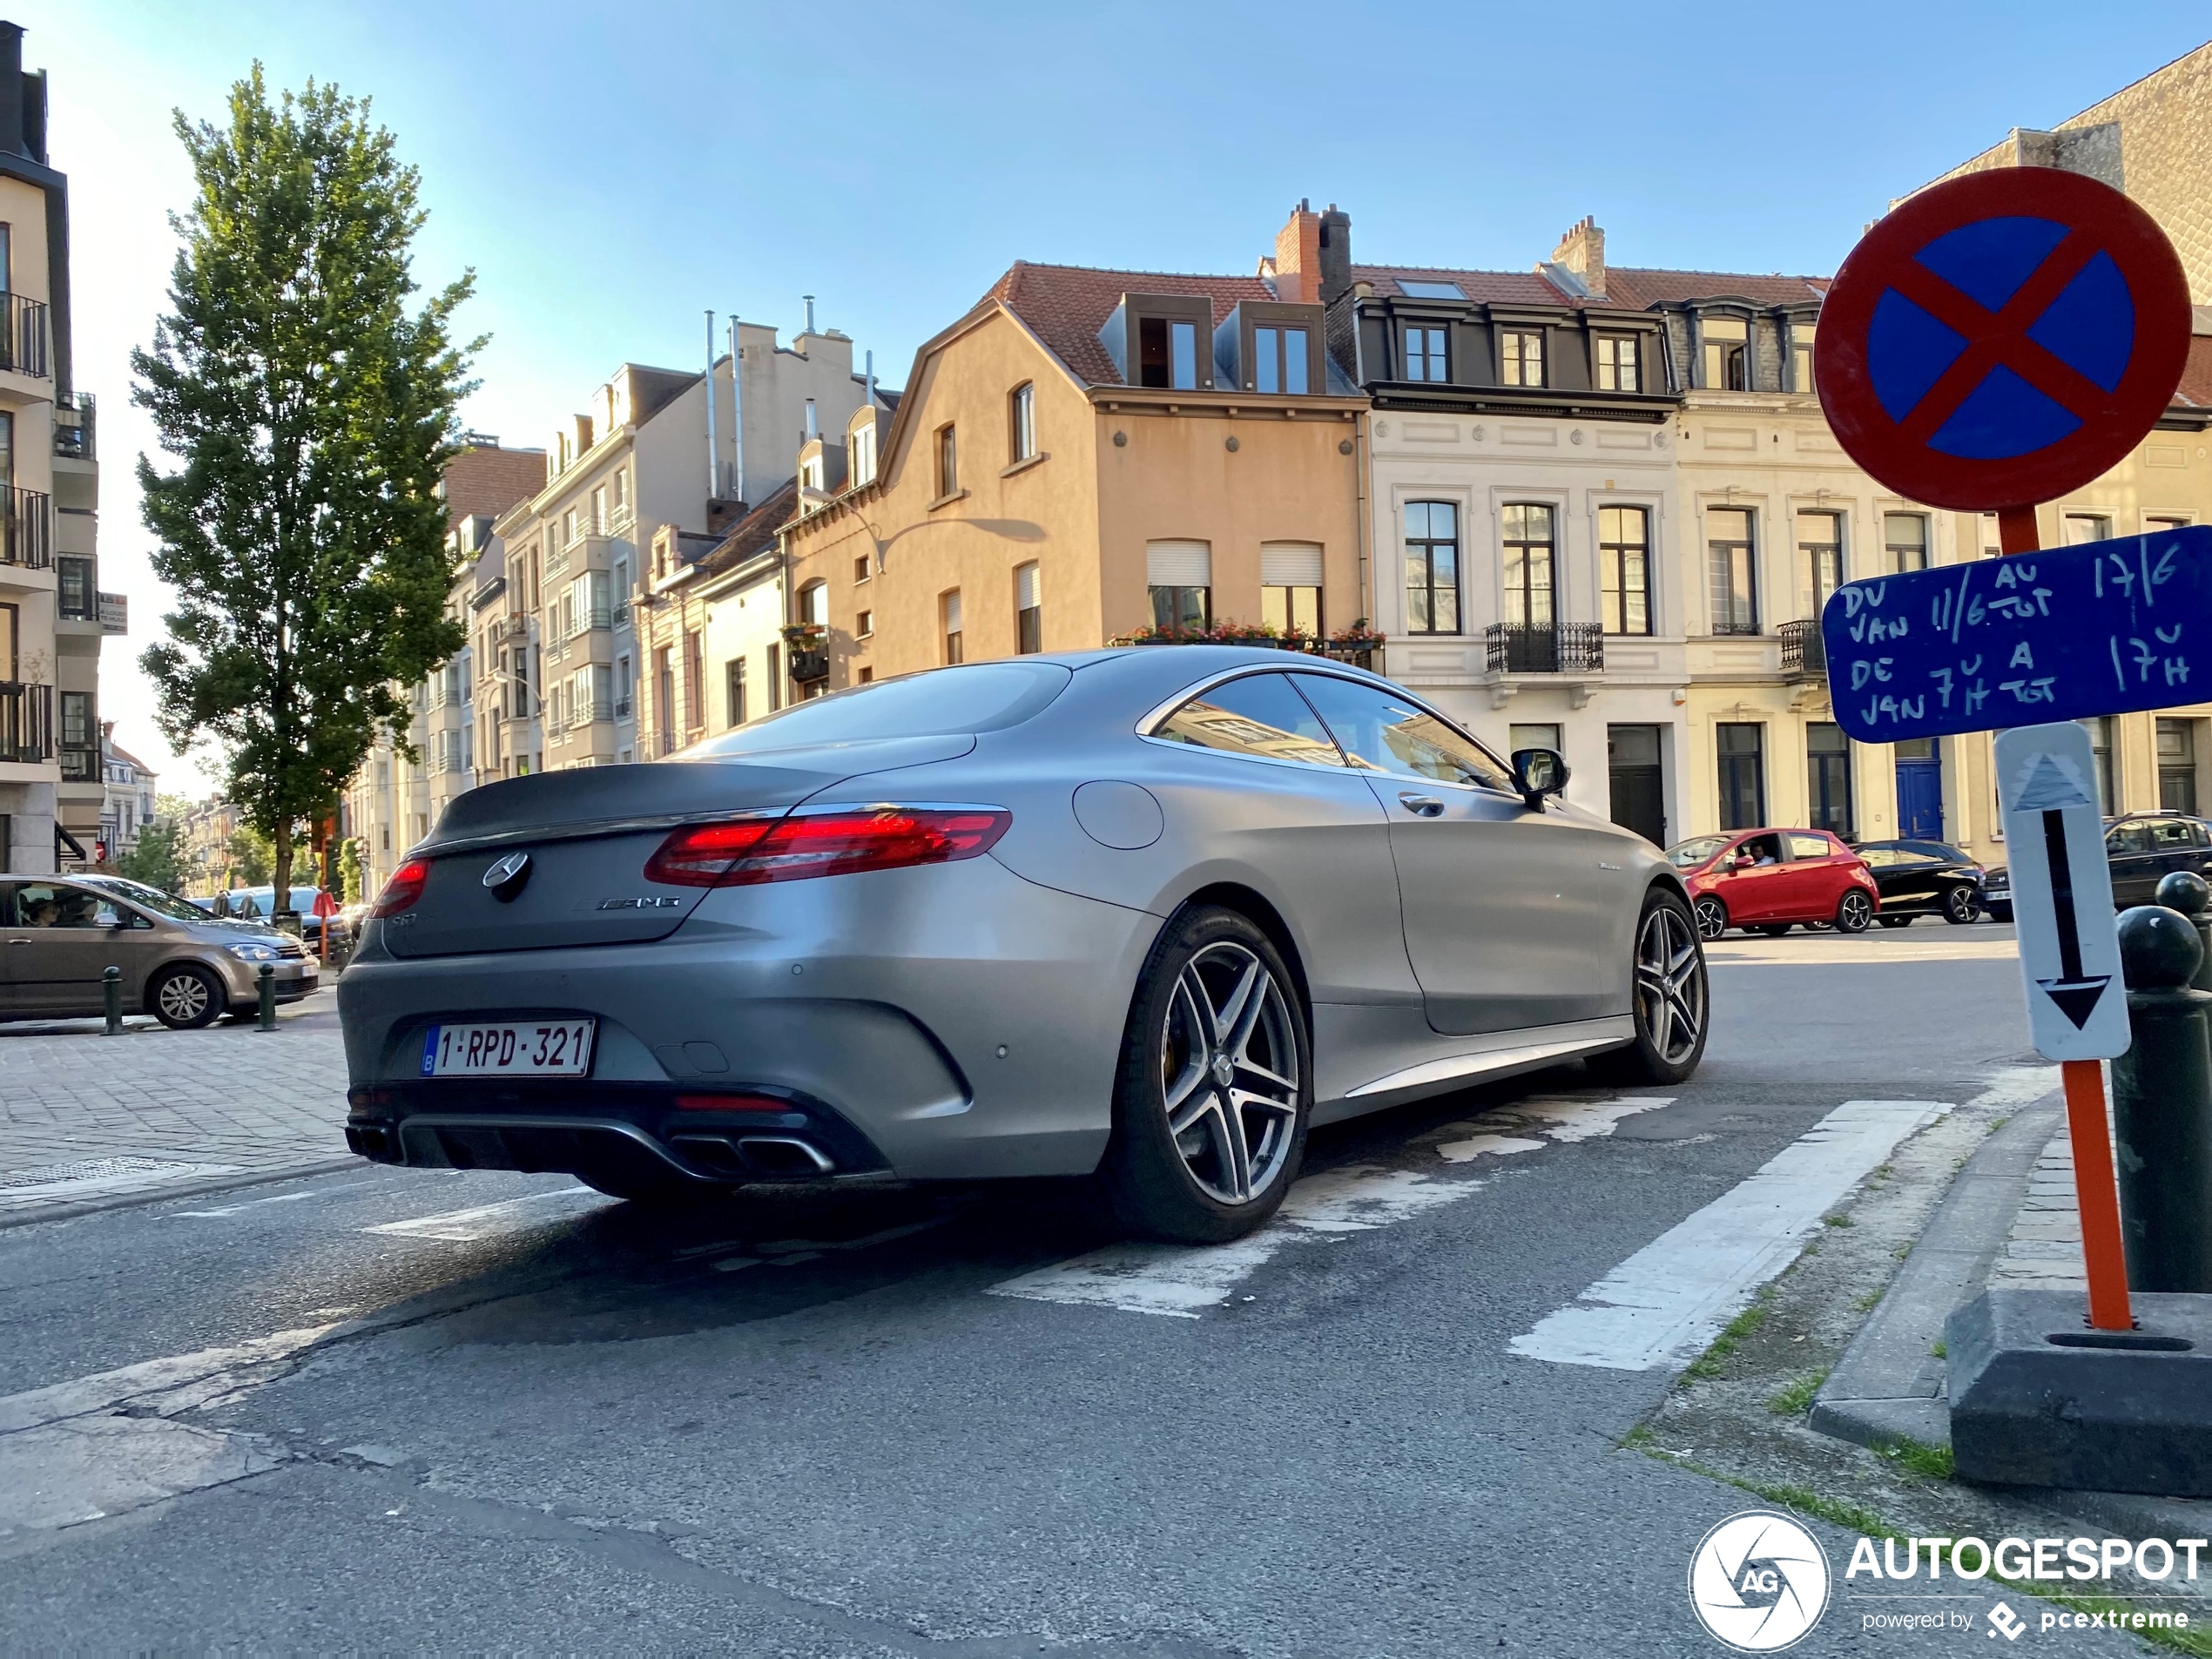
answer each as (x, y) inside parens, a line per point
(1758, 1581)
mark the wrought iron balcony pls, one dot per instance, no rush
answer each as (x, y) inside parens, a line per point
(1804, 656)
(807, 666)
(80, 763)
(1561, 648)
(26, 722)
(24, 338)
(26, 529)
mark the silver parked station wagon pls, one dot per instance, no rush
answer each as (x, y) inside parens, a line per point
(1144, 914)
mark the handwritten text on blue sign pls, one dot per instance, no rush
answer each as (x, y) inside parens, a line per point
(2101, 628)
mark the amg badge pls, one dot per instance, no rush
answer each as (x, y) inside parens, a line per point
(653, 902)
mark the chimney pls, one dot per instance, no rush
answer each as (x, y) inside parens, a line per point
(812, 432)
(34, 116)
(12, 110)
(809, 299)
(582, 435)
(1298, 256)
(1583, 250)
(1335, 255)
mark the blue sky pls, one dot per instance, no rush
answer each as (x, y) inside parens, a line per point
(612, 170)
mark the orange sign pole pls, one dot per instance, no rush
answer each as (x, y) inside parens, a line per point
(2096, 1187)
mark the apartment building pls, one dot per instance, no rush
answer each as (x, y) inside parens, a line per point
(714, 628)
(127, 790)
(51, 790)
(1087, 455)
(206, 831)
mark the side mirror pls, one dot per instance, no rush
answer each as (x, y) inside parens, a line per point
(1536, 773)
(1741, 861)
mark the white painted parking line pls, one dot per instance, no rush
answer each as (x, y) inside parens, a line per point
(1666, 1303)
(1560, 1117)
(255, 1204)
(2015, 1086)
(491, 1220)
(1180, 1282)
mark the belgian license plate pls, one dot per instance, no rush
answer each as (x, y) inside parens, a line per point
(509, 1048)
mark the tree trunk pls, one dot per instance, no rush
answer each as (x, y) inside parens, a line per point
(280, 900)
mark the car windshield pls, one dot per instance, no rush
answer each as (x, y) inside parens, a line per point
(1695, 851)
(154, 899)
(940, 702)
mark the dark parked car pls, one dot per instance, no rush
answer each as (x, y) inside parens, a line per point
(1923, 879)
(2142, 848)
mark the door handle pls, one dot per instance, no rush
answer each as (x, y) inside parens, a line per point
(1422, 806)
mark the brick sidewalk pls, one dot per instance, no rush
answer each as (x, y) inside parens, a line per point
(85, 1117)
(2043, 1252)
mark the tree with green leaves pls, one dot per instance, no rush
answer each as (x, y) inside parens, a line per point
(156, 857)
(313, 407)
(350, 873)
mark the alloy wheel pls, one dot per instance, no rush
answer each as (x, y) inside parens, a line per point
(1960, 906)
(183, 997)
(1230, 1073)
(1712, 918)
(1854, 913)
(1670, 984)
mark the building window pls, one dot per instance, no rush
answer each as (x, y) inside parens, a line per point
(733, 690)
(1743, 774)
(1801, 357)
(1022, 421)
(1167, 353)
(948, 463)
(948, 614)
(1620, 365)
(813, 604)
(2158, 523)
(1905, 541)
(1624, 568)
(1029, 609)
(864, 676)
(1828, 777)
(1279, 362)
(1528, 566)
(864, 624)
(626, 685)
(2087, 527)
(1426, 358)
(1290, 587)
(1432, 568)
(775, 679)
(1735, 577)
(861, 449)
(694, 683)
(2177, 766)
(620, 482)
(2101, 750)
(860, 568)
(1820, 550)
(664, 697)
(1179, 575)
(599, 509)
(1728, 361)
(1521, 357)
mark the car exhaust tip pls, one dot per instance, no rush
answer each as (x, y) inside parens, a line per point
(774, 1158)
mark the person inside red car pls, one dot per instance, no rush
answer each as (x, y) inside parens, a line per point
(1768, 881)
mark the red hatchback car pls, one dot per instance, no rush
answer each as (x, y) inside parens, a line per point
(1765, 879)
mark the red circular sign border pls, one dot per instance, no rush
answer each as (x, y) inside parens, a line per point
(2156, 284)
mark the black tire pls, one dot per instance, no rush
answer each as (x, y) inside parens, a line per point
(1895, 921)
(1670, 990)
(185, 998)
(1772, 929)
(1214, 997)
(1709, 915)
(1961, 906)
(1854, 911)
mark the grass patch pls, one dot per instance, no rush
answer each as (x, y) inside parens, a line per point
(1928, 1462)
(1941, 1350)
(1836, 1221)
(1707, 1364)
(1797, 1399)
(1867, 1304)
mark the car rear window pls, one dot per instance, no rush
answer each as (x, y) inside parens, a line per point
(940, 702)
(1811, 847)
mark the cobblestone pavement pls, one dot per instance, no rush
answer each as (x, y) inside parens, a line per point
(85, 1117)
(2044, 1249)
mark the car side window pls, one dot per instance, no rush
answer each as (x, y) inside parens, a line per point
(1811, 847)
(1258, 714)
(2127, 838)
(2170, 835)
(1761, 850)
(1384, 732)
(1879, 858)
(7, 904)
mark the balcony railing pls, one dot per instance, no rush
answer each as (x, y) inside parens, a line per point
(23, 338)
(76, 439)
(807, 666)
(26, 529)
(1804, 654)
(1563, 647)
(80, 763)
(1736, 625)
(26, 722)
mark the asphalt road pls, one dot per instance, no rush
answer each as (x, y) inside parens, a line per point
(812, 1429)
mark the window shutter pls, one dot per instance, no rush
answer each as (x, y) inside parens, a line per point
(1025, 587)
(1178, 564)
(952, 611)
(1289, 564)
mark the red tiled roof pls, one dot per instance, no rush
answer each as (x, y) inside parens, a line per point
(2197, 375)
(1065, 306)
(1484, 287)
(755, 532)
(1636, 288)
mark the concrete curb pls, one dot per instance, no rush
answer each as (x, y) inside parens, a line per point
(1889, 1385)
(183, 1190)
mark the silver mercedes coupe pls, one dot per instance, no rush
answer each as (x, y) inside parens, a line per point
(1142, 915)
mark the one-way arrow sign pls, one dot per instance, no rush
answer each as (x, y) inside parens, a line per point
(2061, 892)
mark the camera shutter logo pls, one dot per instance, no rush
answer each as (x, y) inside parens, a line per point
(1758, 1581)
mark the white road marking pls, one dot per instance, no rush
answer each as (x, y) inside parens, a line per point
(1179, 1282)
(1560, 1118)
(492, 1220)
(232, 1210)
(2015, 1086)
(1666, 1303)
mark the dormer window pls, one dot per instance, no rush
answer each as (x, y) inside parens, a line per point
(1620, 363)
(1520, 357)
(1425, 357)
(1728, 358)
(1167, 353)
(1279, 360)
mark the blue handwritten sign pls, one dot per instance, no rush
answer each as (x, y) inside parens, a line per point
(2104, 628)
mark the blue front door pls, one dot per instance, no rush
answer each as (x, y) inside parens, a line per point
(1920, 789)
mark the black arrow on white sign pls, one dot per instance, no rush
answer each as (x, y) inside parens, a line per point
(2077, 995)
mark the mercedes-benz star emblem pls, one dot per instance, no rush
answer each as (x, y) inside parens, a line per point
(506, 876)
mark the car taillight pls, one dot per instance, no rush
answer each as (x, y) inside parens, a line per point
(403, 889)
(837, 843)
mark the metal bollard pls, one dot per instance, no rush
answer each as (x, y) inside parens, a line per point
(2191, 894)
(267, 985)
(2161, 1091)
(112, 990)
